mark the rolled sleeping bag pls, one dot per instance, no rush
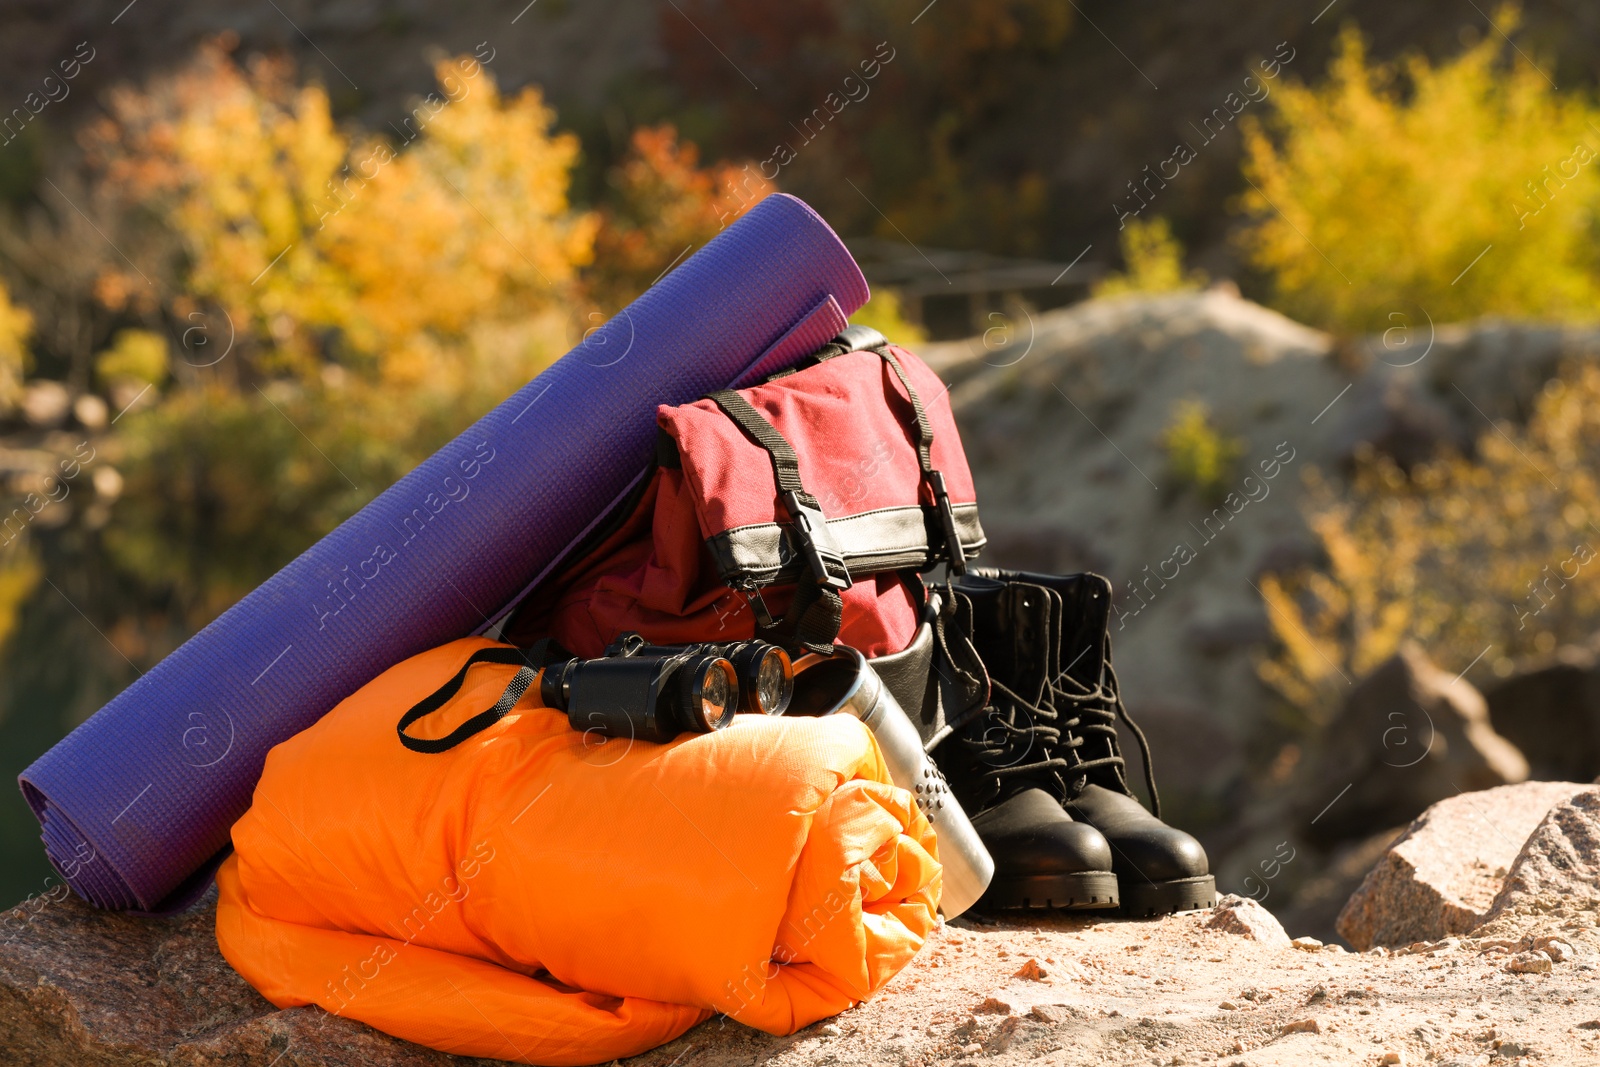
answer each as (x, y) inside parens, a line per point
(548, 896)
(136, 803)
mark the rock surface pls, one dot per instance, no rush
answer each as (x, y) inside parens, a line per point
(1442, 875)
(1409, 735)
(1247, 918)
(1557, 872)
(84, 988)
(79, 987)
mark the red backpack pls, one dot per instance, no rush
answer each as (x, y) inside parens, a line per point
(798, 510)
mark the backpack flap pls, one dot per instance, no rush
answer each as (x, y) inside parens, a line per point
(850, 467)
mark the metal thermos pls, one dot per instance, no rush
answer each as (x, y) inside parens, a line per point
(846, 683)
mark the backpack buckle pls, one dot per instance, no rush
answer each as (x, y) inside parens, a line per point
(758, 608)
(947, 519)
(816, 542)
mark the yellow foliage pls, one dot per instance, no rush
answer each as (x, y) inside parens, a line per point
(1480, 560)
(19, 573)
(16, 326)
(470, 224)
(1377, 191)
(1154, 259)
(300, 232)
(1198, 454)
(134, 355)
(379, 297)
(882, 312)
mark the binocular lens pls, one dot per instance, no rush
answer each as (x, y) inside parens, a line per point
(773, 684)
(714, 692)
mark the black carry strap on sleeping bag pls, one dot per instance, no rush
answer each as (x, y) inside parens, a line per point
(529, 660)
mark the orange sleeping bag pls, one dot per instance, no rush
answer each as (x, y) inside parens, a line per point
(541, 895)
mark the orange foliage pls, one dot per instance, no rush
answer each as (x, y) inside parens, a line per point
(663, 205)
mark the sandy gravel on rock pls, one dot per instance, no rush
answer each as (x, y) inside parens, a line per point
(1171, 991)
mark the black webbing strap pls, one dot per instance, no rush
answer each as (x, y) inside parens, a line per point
(810, 526)
(817, 611)
(924, 427)
(484, 719)
(933, 478)
(812, 622)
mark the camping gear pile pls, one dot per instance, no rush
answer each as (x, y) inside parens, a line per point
(634, 723)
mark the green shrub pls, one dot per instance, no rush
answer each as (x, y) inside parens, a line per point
(134, 355)
(1154, 261)
(1198, 454)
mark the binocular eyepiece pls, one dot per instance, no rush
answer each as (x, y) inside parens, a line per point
(766, 676)
(655, 693)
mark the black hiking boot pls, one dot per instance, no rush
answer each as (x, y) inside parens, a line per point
(996, 755)
(1159, 869)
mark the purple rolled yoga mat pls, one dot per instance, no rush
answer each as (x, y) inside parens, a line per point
(137, 802)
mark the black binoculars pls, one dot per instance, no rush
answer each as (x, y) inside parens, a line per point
(654, 693)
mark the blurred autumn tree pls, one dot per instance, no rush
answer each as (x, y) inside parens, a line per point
(288, 315)
(328, 289)
(663, 205)
(1480, 559)
(1381, 187)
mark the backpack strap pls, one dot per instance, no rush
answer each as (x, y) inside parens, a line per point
(810, 525)
(812, 622)
(817, 611)
(857, 338)
(932, 477)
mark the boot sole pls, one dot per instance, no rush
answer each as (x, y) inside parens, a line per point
(1143, 900)
(1083, 891)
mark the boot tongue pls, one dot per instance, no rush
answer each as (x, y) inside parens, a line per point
(1082, 640)
(1035, 614)
(1013, 628)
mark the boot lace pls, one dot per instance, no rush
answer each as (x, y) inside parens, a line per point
(1000, 729)
(1096, 711)
(1010, 728)
(1001, 733)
